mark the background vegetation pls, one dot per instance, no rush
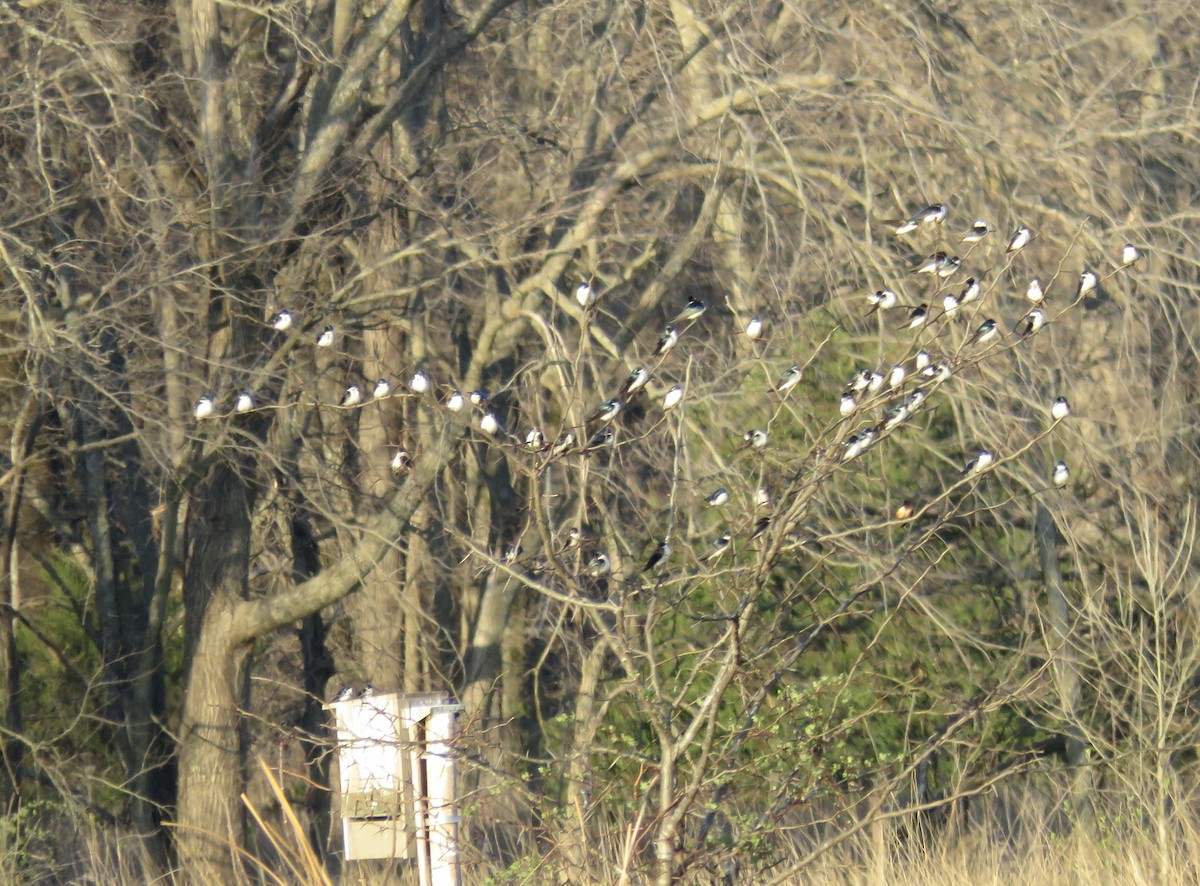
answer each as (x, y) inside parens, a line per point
(1001, 684)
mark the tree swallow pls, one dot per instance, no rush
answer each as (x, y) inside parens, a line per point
(564, 442)
(896, 377)
(204, 408)
(950, 305)
(939, 263)
(717, 497)
(789, 379)
(605, 438)
(922, 359)
(882, 300)
(585, 295)
(382, 388)
(245, 402)
(282, 321)
(1061, 474)
(1035, 293)
(986, 332)
(1087, 283)
(673, 397)
(535, 440)
(606, 411)
(917, 317)
(755, 439)
(1129, 255)
(510, 553)
(352, 396)
(978, 231)
(1060, 409)
(479, 397)
(933, 214)
(970, 291)
(666, 341)
(1031, 323)
(599, 565)
(762, 497)
(847, 404)
(489, 423)
(325, 339)
(860, 381)
(760, 526)
(916, 400)
(660, 553)
(895, 417)
(634, 382)
(400, 461)
(455, 402)
(755, 329)
(979, 463)
(875, 382)
(1019, 240)
(718, 547)
(691, 311)
(419, 383)
(346, 693)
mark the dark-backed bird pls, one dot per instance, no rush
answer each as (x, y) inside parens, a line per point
(691, 311)
(755, 439)
(1087, 283)
(564, 442)
(761, 525)
(1061, 474)
(922, 359)
(717, 497)
(719, 546)
(456, 401)
(1019, 240)
(847, 404)
(859, 381)
(282, 321)
(660, 553)
(599, 565)
(1060, 408)
(325, 339)
(511, 553)
(400, 461)
(875, 382)
(970, 291)
(790, 378)
(605, 438)
(916, 317)
(896, 377)
(607, 410)
(1031, 323)
(940, 264)
(950, 304)
(585, 295)
(535, 440)
(346, 693)
(244, 403)
(934, 214)
(352, 396)
(666, 341)
(978, 231)
(478, 397)
(986, 332)
(882, 300)
(979, 463)
(634, 382)
(204, 408)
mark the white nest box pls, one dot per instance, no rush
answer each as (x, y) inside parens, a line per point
(398, 785)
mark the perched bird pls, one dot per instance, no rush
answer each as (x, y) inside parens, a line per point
(599, 565)
(1087, 283)
(986, 332)
(282, 321)
(979, 463)
(1031, 323)
(1060, 408)
(660, 553)
(345, 694)
(455, 402)
(950, 305)
(419, 383)
(905, 511)
(489, 423)
(1034, 292)
(970, 291)
(860, 381)
(666, 341)
(204, 408)
(895, 417)
(383, 388)
(762, 497)
(875, 382)
(1019, 240)
(882, 300)
(847, 404)
(585, 295)
(916, 317)
(325, 339)
(1130, 255)
(916, 400)
(606, 411)
(922, 360)
(605, 438)
(368, 691)
(756, 329)
(578, 536)
(719, 546)
(789, 379)
(673, 397)
(896, 377)
(939, 371)
(400, 461)
(479, 396)
(717, 497)
(755, 439)
(940, 264)
(352, 396)
(761, 525)
(978, 231)
(535, 440)
(1061, 474)
(510, 553)
(691, 311)
(859, 443)
(564, 442)
(933, 214)
(244, 403)
(634, 382)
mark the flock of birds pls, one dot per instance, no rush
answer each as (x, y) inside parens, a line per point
(899, 392)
